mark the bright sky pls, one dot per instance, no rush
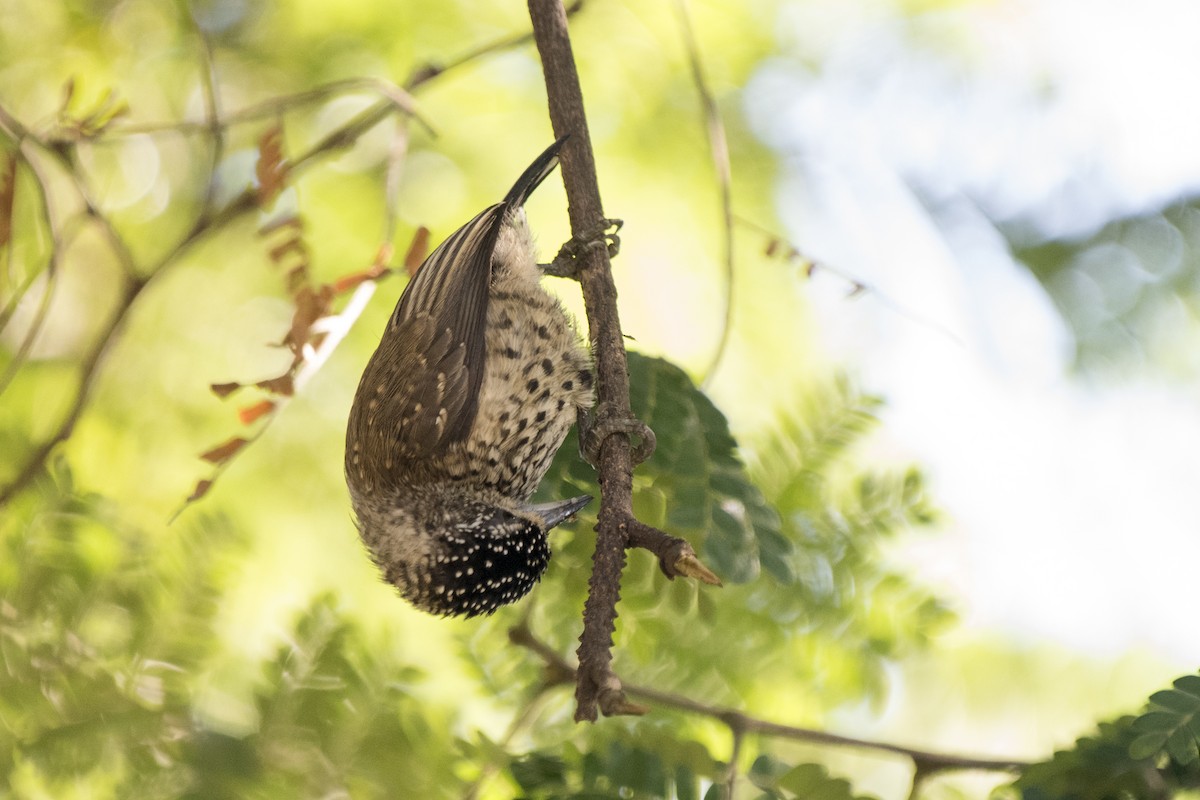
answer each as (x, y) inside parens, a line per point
(1071, 499)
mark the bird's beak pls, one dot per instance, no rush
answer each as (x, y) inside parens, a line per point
(559, 511)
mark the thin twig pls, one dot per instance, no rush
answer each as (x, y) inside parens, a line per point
(208, 222)
(918, 780)
(394, 98)
(35, 325)
(926, 761)
(857, 286)
(718, 145)
(133, 284)
(66, 155)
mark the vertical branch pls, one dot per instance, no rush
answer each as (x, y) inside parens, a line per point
(596, 683)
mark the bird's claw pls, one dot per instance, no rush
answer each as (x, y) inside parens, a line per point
(605, 421)
(566, 263)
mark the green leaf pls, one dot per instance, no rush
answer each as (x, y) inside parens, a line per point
(766, 771)
(1175, 700)
(1156, 721)
(687, 785)
(1148, 745)
(732, 562)
(1188, 684)
(1182, 746)
(813, 782)
(695, 477)
(538, 771)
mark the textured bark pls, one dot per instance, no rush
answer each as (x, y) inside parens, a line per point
(596, 682)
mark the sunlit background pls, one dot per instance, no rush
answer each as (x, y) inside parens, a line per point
(1053, 401)
(1014, 180)
(1011, 186)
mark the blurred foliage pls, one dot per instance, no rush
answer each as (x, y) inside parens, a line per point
(1172, 725)
(1150, 756)
(778, 781)
(106, 637)
(1130, 291)
(622, 767)
(109, 641)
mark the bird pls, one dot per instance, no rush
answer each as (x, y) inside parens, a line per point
(477, 378)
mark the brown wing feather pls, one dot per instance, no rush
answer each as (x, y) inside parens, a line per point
(420, 390)
(451, 287)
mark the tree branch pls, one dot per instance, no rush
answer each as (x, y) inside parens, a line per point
(925, 762)
(616, 528)
(565, 99)
(599, 295)
(208, 222)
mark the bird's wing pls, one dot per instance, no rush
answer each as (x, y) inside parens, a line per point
(420, 391)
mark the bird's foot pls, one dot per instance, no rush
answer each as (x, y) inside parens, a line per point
(605, 421)
(566, 263)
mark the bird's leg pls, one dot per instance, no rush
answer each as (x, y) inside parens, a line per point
(566, 263)
(604, 421)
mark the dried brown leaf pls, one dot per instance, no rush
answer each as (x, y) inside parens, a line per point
(311, 305)
(201, 489)
(372, 273)
(293, 222)
(297, 278)
(223, 452)
(249, 414)
(8, 192)
(772, 247)
(417, 251)
(383, 257)
(282, 385)
(293, 245)
(271, 169)
(225, 389)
